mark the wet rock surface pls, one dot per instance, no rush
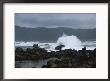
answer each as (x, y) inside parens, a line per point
(68, 58)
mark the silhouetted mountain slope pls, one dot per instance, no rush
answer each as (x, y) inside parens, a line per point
(51, 34)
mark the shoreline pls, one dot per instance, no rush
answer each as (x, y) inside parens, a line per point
(68, 58)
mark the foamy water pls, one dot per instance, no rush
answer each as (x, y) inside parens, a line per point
(22, 43)
(70, 42)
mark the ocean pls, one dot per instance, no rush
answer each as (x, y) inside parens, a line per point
(49, 39)
(70, 42)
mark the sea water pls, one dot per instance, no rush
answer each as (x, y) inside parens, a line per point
(70, 42)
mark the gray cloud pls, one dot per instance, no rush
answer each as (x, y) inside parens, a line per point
(73, 20)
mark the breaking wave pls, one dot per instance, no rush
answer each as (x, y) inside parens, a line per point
(22, 43)
(69, 42)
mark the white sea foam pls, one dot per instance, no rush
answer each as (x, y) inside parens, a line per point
(70, 42)
(22, 43)
(89, 43)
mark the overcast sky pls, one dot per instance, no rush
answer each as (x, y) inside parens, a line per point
(83, 21)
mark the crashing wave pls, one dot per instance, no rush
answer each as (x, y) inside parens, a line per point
(69, 42)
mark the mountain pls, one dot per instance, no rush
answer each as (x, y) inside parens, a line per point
(51, 34)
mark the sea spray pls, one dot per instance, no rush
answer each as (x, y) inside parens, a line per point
(70, 42)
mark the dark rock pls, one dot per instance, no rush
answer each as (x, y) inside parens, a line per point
(35, 46)
(44, 66)
(59, 47)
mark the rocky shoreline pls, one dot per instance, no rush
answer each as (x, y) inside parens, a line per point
(68, 58)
